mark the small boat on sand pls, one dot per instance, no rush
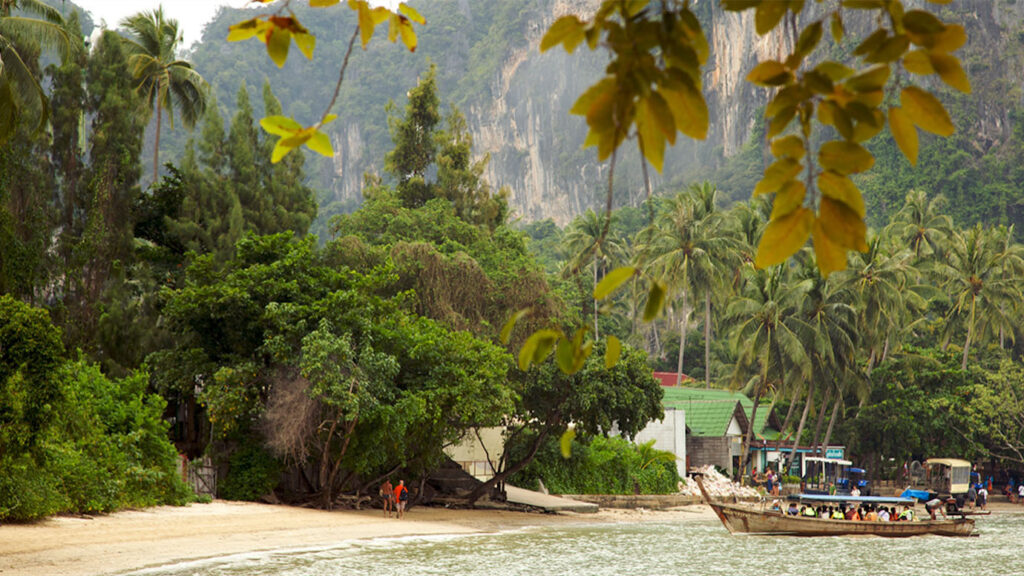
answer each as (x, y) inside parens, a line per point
(757, 519)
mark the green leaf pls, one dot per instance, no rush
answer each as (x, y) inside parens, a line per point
(567, 30)
(612, 351)
(278, 43)
(506, 330)
(612, 281)
(845, 157)
(925, 111)
(565, 442)
(782, 237)
(904, 133)
(537, 347)
(565, 356)
(655, 301)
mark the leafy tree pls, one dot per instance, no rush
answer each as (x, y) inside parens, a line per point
(162, 79)
(20, 36)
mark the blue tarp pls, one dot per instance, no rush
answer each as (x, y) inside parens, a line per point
(842, 498)
(921, 495)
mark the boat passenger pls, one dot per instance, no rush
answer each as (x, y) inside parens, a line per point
(907, 514)
(808, 511)
(871, 516)
(837, 514)
(793, 511)
(776, 507)
(883, 514)
(852, 513)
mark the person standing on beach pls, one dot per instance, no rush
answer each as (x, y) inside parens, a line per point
(401, 497)
(387, 493)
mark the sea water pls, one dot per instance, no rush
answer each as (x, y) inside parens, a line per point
(640, 549)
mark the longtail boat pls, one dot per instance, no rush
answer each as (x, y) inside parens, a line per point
(756, 519)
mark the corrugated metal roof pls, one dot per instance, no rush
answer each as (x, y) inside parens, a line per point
(709, 411)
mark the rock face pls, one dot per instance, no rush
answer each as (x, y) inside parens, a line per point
(518, 113)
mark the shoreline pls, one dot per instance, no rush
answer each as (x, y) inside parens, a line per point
(134, 540)
(147, 539)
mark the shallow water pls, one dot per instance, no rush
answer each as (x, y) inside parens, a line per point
(648, 549)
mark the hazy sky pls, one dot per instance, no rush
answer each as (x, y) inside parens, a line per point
(191, 15)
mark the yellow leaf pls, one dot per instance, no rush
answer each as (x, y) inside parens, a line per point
(306, 44)
(408, 35)
(769, 73)
(278, 43)
(767, 16)
(842, 225)
(782, 237)
(949, 40)
(780, 121)
(841, 189)
(565, 356)
(829, 255)
(809, 38)
(777, 174)
(565, 442)
(537, 347)
(866, 130)
(872, 42)
(836, 26)
(612, 352)
(322, 3)
(567, 30)
(246, 30)
(321, 144)
(280, 149)
(411, 13)
(655, 301)
(922, 22)
(590, 95)
(366, 23)
(689, 110)
(949, 69)
(651, 138)
(280, 125)
(904, 133)
(925, 111)
(788, 97)
(845, 157)
(869, 80)
(788, 198)
(612, 281)
(834, 70)
(890, 50)
(659, 111)
(393, 25)
(506, 330)
(917, 62)
(791, 146)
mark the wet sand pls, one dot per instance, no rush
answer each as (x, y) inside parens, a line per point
(136, 539)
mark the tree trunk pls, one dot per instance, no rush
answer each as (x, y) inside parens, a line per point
(596, 334)
(745, 447)
(885, 350)
(970, 331)
(832, 420)
(792, 406)
(501, 476)
(800, 427)
(707, 340)
(156, 146)
(820, 420)
(682, 342)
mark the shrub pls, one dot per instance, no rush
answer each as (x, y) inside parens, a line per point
(252, 472)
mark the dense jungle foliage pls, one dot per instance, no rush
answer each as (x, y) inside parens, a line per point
(318, 366)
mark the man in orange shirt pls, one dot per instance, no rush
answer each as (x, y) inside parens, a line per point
(401, 497)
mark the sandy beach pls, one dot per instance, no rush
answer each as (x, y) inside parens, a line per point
(136, 539)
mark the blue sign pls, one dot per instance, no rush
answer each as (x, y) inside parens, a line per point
(834, 452)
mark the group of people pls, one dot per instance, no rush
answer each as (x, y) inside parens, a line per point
(770, 480)
(865, 513)
(395, 497)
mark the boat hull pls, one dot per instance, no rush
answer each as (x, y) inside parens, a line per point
(740, 519)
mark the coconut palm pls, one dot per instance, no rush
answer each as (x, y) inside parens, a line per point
(162, 79)
(20, 93)
(586, 243)
(982, 267)
(766, 316)
(691, 247)
(921, 225)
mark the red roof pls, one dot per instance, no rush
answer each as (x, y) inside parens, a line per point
(669, 378)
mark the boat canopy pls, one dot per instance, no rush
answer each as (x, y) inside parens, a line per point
(828, 460)
(951, 462)
(837, 498)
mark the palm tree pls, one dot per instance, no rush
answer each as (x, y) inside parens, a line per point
(586, 244)
(767, 335)
(921, 225)
(20, 92)
(163, 80)
(690, 246)
(982, 266)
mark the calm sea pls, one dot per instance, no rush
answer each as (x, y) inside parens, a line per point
(645, 549)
